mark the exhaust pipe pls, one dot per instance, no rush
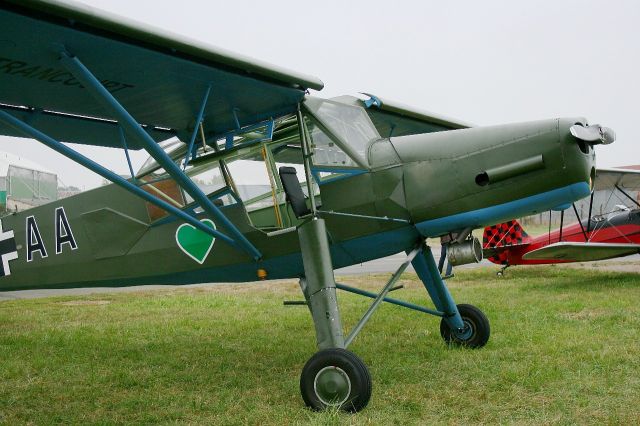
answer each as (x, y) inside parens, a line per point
(469, 251)
(500, 173)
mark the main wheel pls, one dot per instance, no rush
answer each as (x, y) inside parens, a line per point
(335, 378)
(477, 330)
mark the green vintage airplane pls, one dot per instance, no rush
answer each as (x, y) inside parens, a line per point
(250, 177)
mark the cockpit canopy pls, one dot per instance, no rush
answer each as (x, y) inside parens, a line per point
(242, 167)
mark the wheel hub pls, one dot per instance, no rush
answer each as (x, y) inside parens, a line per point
(332, 386)
(467, 332)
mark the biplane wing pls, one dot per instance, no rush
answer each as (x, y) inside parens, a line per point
(161, 79)
(610, 178)
(582, 252)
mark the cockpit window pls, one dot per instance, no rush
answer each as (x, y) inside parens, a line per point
(325, 150)
(208, 177)
(243, 168)
(251, 177)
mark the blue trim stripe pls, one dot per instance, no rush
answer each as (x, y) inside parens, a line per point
(496, 214)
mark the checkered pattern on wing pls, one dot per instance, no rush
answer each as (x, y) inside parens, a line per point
(502, 258)
(504, 234)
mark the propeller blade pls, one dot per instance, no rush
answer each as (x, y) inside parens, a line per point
(608, 135)
(594, 134)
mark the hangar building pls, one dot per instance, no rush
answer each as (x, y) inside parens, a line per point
(25, 184)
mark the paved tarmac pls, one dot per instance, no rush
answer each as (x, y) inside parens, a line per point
(383, 265)
(391, 263)
(387, 264)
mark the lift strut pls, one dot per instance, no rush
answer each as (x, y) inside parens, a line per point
(133, 128)
(107, 174)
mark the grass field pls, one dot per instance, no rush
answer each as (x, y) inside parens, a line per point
(564, 349)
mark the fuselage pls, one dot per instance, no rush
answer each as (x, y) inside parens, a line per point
(434, 181)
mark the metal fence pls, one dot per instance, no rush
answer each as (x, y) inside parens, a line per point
(31, 186)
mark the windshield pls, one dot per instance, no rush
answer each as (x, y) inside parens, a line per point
(348, 123)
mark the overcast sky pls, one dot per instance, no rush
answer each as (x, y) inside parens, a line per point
(486, 62)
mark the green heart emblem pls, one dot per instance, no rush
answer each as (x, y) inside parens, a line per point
(195, 243)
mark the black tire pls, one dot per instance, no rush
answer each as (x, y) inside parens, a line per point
(476, 320)
(335, 378)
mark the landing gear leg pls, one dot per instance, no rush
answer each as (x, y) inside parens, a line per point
(463, 325)
(500, 273)
(333, 377)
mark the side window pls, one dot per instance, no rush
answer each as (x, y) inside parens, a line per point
(251, 178)
(326, 152)
(164, 188)
(207, 176)
(290, 155)
(210, 179)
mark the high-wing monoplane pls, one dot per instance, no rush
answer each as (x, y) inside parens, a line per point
(249, 177)
(606, 235)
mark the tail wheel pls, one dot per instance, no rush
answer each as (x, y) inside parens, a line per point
(335, 378)
(477, 330)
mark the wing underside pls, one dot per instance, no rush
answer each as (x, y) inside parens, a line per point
(608, 179)
(582, 252)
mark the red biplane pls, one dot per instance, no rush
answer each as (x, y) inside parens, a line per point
(615, 233)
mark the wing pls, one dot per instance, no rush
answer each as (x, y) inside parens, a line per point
(159, 78)
(607, 179)
(395, 119)
(582, 252)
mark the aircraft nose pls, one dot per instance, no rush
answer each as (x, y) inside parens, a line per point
(523, 168)
(580, 141)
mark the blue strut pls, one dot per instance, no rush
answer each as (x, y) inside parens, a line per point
(425, 266)
(106, 99)
(108, 174)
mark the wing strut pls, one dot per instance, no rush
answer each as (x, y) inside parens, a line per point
(106, 99)
(627, 195)
(59, 147)
(590, 211)
(575, 210)
(196, 127)
(123, 139)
